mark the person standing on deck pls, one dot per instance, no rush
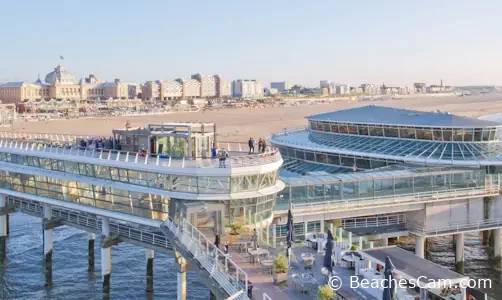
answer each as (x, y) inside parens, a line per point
(263, 146)
(254, 239)
(260, 145)
(223, 157)
(251, 145)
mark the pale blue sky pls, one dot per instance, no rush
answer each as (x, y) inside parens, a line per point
(353, 41)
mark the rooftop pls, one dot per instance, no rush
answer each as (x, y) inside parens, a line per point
(412, 265)
(373, 114)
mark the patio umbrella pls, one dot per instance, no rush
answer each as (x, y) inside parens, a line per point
(389, 292)
(290, 228)
(329, 251)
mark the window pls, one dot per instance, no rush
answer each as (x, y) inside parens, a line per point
(342, 128)
(408, 133)
(352, 129)
(424, 134)
(376, 130)
(458, 135)
(363, 130)
(334, 128)
(438, 135)
(391, 132)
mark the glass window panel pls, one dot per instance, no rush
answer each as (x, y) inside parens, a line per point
(313, 125)
(363, 130)
(334, 128)
(309, 156)
(377, 164)
(408, 133)
(376, 130)
(334, 159)
(342, 128)
(438, 136)
(326, 127)
(391, 132)
(492, 134)
(352, 129)
(478, 135)
(300, 154)
(322, 158)
(363, 163)
(486, 135)
(424, 134)
(347, 161)
(447, 134)
(458, 134)
(468, 134)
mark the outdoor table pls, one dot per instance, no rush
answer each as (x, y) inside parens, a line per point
(306, 261)
(257, 253)
(302, 281)
(351, 260)
(242, 244)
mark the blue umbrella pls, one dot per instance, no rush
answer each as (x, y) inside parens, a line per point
(328, 264)
(290, 229)
(389, 292)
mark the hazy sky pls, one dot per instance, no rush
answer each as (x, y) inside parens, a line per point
(352, 41)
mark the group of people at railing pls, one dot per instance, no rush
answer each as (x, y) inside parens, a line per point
(99, 143)
(262, 145)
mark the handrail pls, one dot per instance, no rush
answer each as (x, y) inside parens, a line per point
(378, 221)
(202, 250)
(139, 233)
(237, 161)
(400, 198)
(456, 227)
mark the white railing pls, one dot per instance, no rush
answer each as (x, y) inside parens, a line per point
(374, 221)
(455, 227)
(237, 161)
(139, 234)
(220, 266)
(412, 198)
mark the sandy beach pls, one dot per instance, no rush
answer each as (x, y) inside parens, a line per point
(242, 123)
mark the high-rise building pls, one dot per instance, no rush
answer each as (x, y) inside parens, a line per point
(208, 86)
(171, 90)
(247, 89)
(280, 86)
(223, 87)
(191, 88)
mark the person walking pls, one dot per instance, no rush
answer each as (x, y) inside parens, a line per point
(226, 247)
(251, 145)
(217, 241)
(222, 158)
(254, 239)
(264, 146)
(260, 145)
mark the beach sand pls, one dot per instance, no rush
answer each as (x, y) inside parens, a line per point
(242, 123)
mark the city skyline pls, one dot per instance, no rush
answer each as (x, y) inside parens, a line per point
(294, 41)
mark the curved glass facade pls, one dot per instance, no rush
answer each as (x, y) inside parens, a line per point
(485, 134)
(174, 183)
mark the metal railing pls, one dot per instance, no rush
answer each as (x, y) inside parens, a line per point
(412, 198)
(92, 222)
(238, 161)
(374, 221)
(220, 266)
(455, 227)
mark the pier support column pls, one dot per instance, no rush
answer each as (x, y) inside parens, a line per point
(182, 277)
(106, 256)
(47, 244)
(322, 225)
(340, 234)
(350, 239)
(497, 251)
(385, 242)
(459, 252)
(360, 243)
(149, 269)
(372, 244)
(90, 248)
(305, 228)
(4, 224)
(419, 246)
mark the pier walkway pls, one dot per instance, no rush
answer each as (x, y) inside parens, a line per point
(453, 228)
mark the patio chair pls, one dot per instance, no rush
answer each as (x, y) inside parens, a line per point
(295, 278)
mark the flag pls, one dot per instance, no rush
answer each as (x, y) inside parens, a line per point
(61, 57)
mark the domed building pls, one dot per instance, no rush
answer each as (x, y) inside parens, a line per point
(61, 84)
(60, 76)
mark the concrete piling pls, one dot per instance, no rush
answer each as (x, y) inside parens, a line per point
(149, 269)
(47, 244)
(90, 247)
